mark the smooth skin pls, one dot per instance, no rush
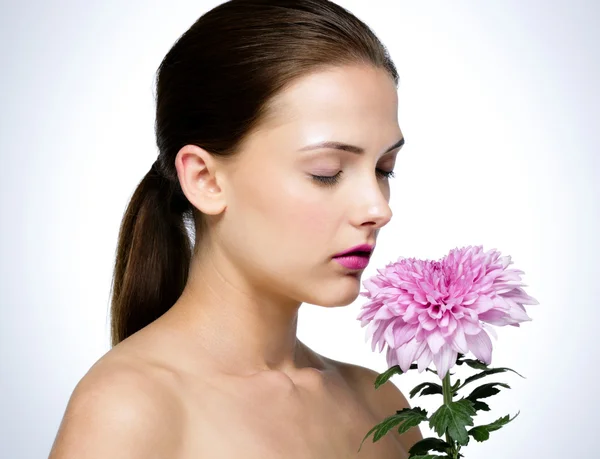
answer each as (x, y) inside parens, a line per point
(222, 373)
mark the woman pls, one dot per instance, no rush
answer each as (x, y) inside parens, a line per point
(236, 224)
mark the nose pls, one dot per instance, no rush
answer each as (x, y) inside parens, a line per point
(372, 207)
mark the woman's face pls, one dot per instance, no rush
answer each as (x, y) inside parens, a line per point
(281, 226)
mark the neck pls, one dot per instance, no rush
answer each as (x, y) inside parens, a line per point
(239, 329)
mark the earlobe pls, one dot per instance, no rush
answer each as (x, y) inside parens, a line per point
(200, 177)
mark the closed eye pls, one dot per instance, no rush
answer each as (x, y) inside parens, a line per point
(332, 180)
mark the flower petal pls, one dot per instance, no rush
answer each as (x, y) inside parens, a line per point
(391, 358)
(435, 341)
(389, 335)
(444, 360)
(384, 313)
(403, 334)
(427, 322)
(406, 354)
(469, 327)
(424, 359)
(459, 342)
(481, 346)
(490, 329)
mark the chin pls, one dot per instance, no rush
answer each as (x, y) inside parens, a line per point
(339, 296)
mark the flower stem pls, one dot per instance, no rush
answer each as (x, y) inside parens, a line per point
(447, 391)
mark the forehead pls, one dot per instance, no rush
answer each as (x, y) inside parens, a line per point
(352, 105)
(348, 93)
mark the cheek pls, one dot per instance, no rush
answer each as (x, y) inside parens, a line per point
(305, 214)
(308, 218)
(282, 211)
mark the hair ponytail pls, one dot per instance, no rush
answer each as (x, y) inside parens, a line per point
(152, 258)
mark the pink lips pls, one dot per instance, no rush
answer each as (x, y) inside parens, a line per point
(355, 257)
(353, 261)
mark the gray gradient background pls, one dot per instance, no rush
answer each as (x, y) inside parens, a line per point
(500, 108)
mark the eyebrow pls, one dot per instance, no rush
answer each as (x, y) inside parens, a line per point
(345, 147)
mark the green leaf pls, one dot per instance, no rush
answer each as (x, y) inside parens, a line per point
(409, 417)
(412, 420)
(477, 364)
(453, 417)
(480, 406)
(459, 358)
(455, 387)
(489, 371)
(383, 377)
(482, 433)
(430, 388)
(428, 444)
(486, 390)
(428, 456)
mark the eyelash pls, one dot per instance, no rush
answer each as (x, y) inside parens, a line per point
(332, 180)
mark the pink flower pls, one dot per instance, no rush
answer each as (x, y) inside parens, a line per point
(432, 310)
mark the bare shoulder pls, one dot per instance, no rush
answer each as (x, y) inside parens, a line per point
(383, 401)
(120, 408)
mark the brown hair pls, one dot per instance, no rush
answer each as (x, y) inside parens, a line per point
(213, 88)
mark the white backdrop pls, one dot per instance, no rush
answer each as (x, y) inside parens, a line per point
(498, 103)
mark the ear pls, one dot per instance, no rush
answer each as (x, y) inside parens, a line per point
(199, 172)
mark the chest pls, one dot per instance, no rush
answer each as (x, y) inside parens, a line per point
(270, 423)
